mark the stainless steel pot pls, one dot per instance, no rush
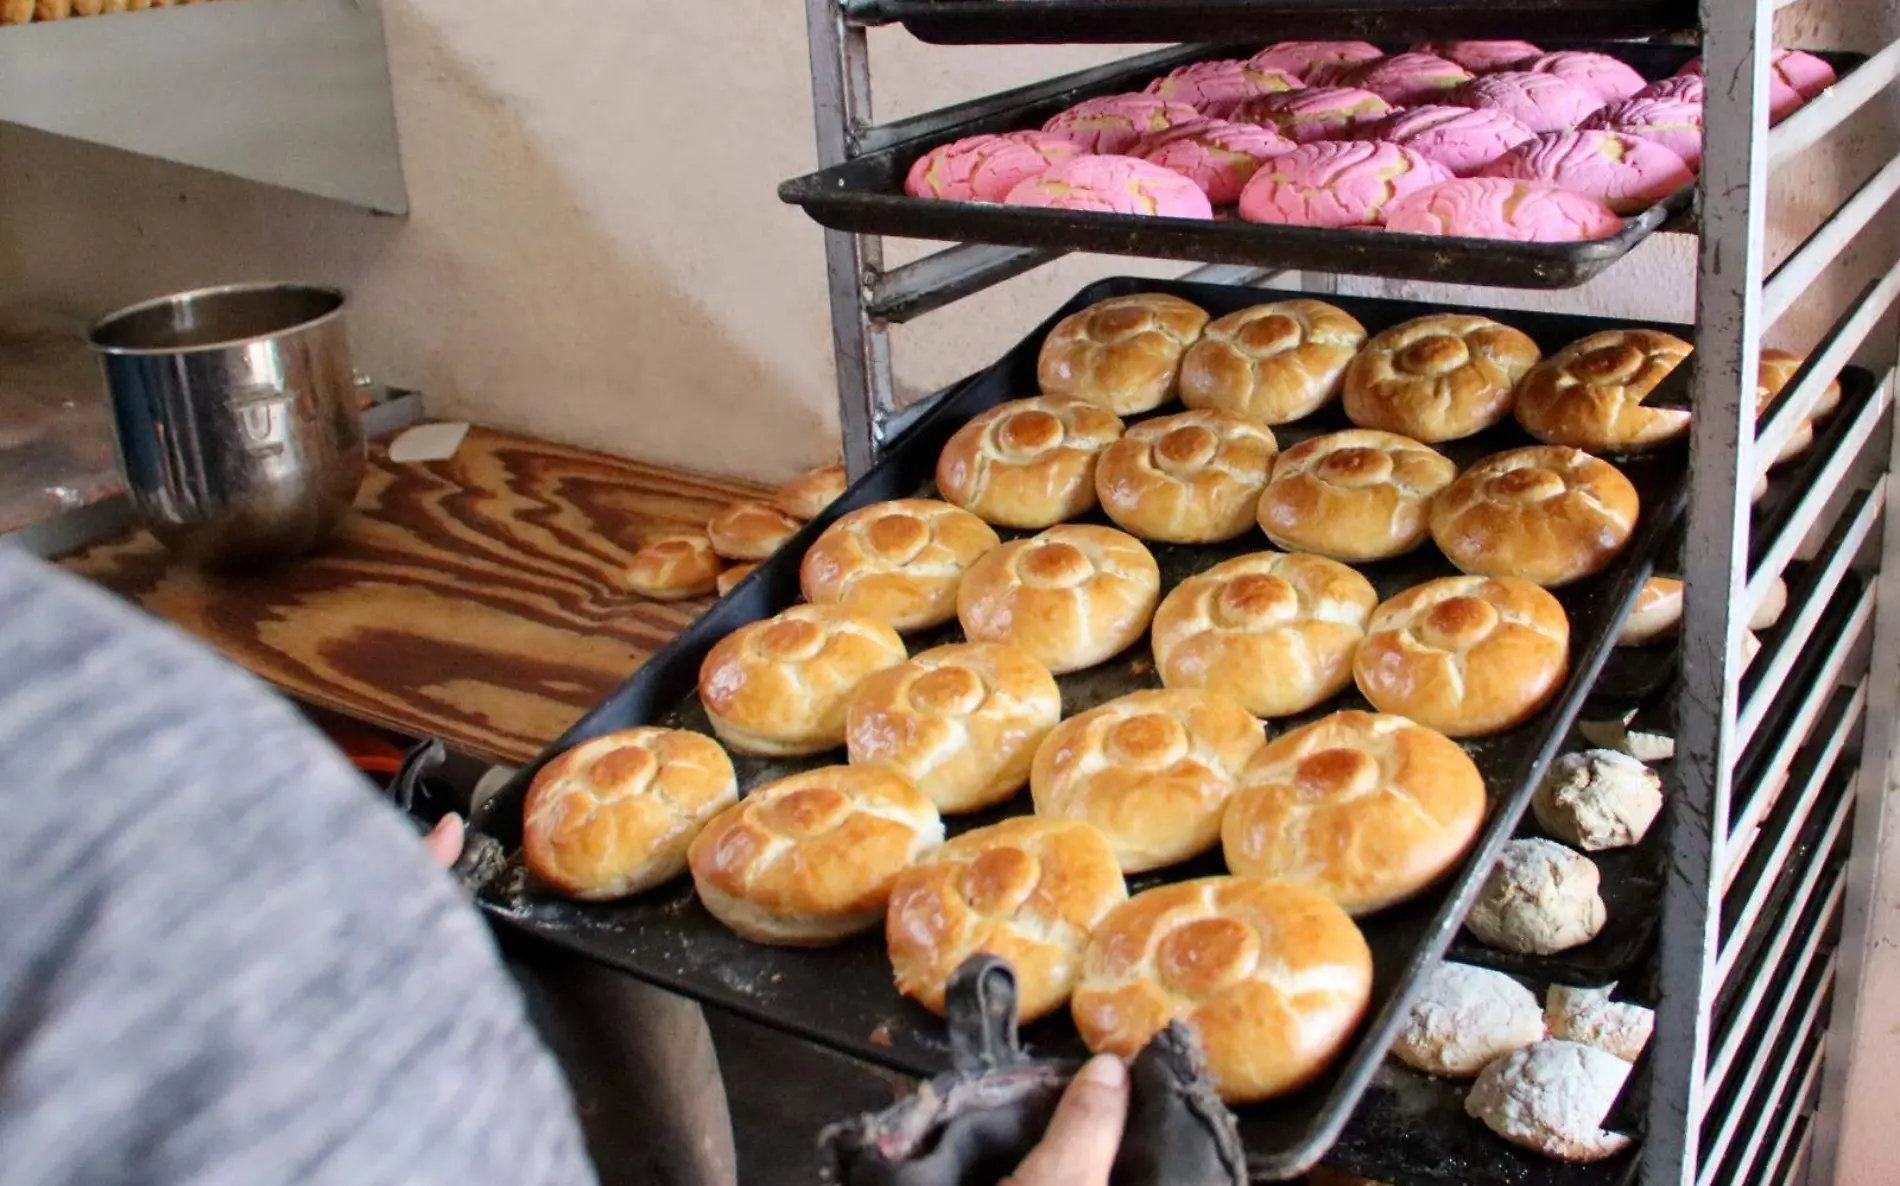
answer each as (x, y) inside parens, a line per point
(236, 410)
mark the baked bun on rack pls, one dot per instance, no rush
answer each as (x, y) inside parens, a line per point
(810, 859)
(1548, 514)
(1366, 809)
(614, 816)
(1192, 478)
(1438, 378)
(1778, 369)
(1466, 656)
(1151, 770)
(1069, 598)
(1273, 363)
(673, 567)
(1027, 890)
(779, 686)
(898, 561)
(1274, 631)
(750, 530)
(1355, 496)
(1123, 354)
(729, 579)
(1028, 463)
(962, 722)
(1657, 614)
(1272, 978)
(807, 495)
(1590, 394)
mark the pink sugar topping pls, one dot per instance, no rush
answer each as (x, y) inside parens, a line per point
(1462, 139)
(1113, 185)
(1217, 156)
(1113, 123)
(1323, 113)
(1216, 88)
(1497, 208)
(1625, 173)
(1608, 78)
(1299, 57)
(985, 168)
(1541, 102)
(1335, 183)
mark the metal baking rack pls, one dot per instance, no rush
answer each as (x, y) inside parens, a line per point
(1777, 790)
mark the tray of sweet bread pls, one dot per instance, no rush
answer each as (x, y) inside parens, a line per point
(1201, 657)
(26, 12)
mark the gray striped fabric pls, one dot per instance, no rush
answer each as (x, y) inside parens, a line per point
(221, 959)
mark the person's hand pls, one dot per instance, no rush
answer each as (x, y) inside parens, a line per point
(1085, 1133)
(444, 841)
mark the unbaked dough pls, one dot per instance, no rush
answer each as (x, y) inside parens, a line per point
(1588, 1015)
(1598, 799)
(1540, 898)
(1463, 1018)
(1551, 1098)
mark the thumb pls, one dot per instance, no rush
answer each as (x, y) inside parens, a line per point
(1086, 1131)
(444, 841)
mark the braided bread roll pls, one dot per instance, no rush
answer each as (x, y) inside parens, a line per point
(1438, 378)
(1122, 354)
(1274, 363)
(674, 567)
(1589, 395)
(1192, 478)
(900, 562)
(1355, 496)
(1546, 514)
(1028, 463)
(750, 530)
(1069, 598)
(780, 686)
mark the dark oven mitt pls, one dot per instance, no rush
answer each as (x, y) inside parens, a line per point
(974, 1125)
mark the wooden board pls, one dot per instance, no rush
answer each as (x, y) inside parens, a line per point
(476, 600)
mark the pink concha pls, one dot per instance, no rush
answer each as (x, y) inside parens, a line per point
(1216, 155)
(1481, 57)
(1113, 123)
(1335, 183)
(1299, 57)
(1113, 185)
(1323, 113)
(1785, 95)
(1676, 124)
(1602, 75)
(1625, 173)
(1541, 102)
(1497, 208)
(1216, 88)
(985, 168)
(1690, 88)
(1408, 79)
(1462, 139)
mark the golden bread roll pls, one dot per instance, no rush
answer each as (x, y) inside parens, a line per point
(729, 579)
(1778, 369)
(1272, 978)
(1546, 514)
(1466, 656)
(780, 686)
(1773, 604)
(750, 530)
(1589, 395)
(1366, 809)
(900, 561)
(811, 859)
(962, 722)
(51, 10)
(1274, 363)
(1438, 378)
(1027, 890)
(1355, 496)
(1273, 631)
(17, 12)
(614, 816)
(805, 496)
(1123, 353)
(1191, 478)
(1657, 614)
(674, 567)
(1151, 770)
(1069, 598)
(1028, 463)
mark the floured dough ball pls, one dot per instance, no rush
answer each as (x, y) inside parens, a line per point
(1598, 799)
(1541, 898)
(1589, 1016)
(1772, 606)
(1464, 1018)
(1552, 1098)
(1643, 744)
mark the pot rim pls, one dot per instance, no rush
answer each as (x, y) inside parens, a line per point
(217, 290)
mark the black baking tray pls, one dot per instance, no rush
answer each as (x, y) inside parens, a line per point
(842, 997)
(1133, 22)
(866, 195)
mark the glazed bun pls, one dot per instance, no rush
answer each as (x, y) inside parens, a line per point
(674, 567)
(1274, 631)
(962, 722)
(1069, 598)
(899, 561)
(1778, 369)
(1151, 770)
(1027, 890)
(1466, 656)
(1274, 363)
(805, 496)
(1546, 514)
(1589, 395)
(1355, 496)
(811, 859)
(1272, 978)
(1192, 478)
(1657, 614)
(1438, 378)
(750, 530)
(1028, 463)
(1366, 809)
(729, 578)
(614, 816)
(1123, 354)
(780, 686)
